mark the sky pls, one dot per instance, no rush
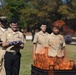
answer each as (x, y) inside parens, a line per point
(64, 1)
(0, 3)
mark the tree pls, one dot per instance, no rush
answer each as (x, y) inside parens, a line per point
(30, 13)
(68, 10)
(37, 10)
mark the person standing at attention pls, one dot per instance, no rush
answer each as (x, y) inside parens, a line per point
(40, 42)
(2, 51)
(57, 44)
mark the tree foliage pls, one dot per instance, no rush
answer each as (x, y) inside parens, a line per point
(30, 13)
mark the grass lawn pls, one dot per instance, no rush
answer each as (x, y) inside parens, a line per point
(26, 59)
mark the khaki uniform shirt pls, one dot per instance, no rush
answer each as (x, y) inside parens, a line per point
(56, 43)
(41, 40)
(2, 52)
(1, 33)
(10, 36)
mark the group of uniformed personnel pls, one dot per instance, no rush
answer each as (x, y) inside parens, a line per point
(55, 41)
(11, 41)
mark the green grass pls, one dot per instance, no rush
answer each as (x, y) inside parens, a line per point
(71, 52)
(26, 59)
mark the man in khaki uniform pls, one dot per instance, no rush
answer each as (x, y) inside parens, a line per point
(40, 40)
(2, 52)
(57, 43)
(41, 46)
(13, 41)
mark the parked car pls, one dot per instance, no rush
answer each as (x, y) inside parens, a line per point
(68, 39)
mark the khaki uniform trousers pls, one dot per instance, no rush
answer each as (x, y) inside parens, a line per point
(2, 69)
